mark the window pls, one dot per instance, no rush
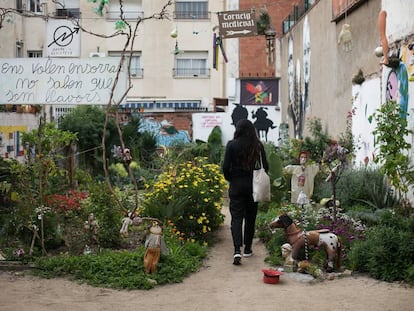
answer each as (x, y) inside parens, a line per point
(68, 13)
(19, 49)
(136, 71)
(19, 6)
(34, 6)
(191, 64)
(132, 10)
(191, 9)
(68, 8)
(341, 7)
(59, 112)
(34, 54)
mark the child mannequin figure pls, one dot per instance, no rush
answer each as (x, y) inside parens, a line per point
(303, 176)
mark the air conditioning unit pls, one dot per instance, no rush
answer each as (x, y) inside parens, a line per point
(96, 54)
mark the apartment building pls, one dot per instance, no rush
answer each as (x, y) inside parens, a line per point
(171, 68)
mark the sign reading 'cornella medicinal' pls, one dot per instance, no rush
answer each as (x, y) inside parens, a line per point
(235, 24)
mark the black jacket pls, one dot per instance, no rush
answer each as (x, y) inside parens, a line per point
(232, 167)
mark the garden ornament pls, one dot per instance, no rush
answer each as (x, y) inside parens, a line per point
(91, 226)
(126, 221)
(271, 276)
(382, 26)
(154, 247)
(290, 263)
(127, 158)
(174, 33)
(345, 37)
(316, 238)
(303, 176)
(303, 266)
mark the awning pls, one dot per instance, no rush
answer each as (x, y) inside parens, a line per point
(161, 105)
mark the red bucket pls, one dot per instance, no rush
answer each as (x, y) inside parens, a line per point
(271, 276)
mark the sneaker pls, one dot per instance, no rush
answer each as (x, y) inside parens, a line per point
(247, 253)
(237, 259)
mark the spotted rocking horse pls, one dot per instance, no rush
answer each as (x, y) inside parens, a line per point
(319, 238)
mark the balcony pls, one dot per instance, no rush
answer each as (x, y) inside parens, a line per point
(128, 15)
(191, 72)
(137, 73)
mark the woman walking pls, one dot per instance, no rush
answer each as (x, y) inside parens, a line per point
(241, 156)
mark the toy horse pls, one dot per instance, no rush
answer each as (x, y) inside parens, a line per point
(296, 237)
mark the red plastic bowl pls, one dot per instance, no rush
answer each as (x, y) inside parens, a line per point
(271, 276)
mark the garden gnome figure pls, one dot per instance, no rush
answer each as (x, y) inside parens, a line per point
(154, 247)
(303, 176)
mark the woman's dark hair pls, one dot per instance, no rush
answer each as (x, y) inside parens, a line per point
(247, 134)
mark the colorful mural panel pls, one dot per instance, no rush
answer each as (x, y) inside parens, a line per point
(259, 92)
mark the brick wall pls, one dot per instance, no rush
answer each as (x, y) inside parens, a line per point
(253, 57)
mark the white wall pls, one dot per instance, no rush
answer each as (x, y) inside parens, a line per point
(203, 124)
(366, 101)
(400, 21)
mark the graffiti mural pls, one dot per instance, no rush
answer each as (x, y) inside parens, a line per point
(262, 123)
(165, 133)
(259, 92)
(407, 57)
(391, 91)
(239, 113)
(261, 117)
(403, 87)
(306, 64)
(298, 88)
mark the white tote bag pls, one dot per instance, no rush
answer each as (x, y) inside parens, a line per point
(261, 184)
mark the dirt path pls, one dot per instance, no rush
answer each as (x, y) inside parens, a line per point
(217, 286)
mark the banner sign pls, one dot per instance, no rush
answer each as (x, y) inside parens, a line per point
(259, 92)
(56, 81)
(234, 24)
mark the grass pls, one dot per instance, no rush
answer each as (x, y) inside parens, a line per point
(124, 269)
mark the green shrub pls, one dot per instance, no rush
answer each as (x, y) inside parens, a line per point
(388, 252)
(366, 186)
(125, 269)
(190, 195)
(108, 214)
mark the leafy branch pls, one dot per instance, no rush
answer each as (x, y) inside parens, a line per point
(391, 145)
(122, 28)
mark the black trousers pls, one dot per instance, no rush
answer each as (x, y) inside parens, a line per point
(243, 212)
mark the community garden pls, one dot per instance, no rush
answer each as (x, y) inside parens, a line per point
(78, 208)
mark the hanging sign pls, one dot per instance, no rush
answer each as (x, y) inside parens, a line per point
(236, 24)
(62, 38)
